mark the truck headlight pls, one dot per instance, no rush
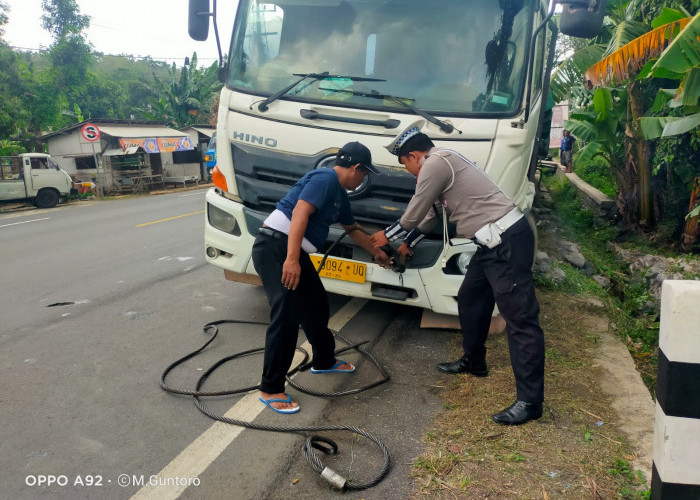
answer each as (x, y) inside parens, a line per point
(222, 221)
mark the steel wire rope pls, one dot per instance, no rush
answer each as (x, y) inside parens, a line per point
(312, 442)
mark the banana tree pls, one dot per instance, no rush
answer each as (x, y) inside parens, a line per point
(681, 57)
(620, 27)
(675, 42)
(679, 61)
(603, 132)
(185, 98)
(625, 65)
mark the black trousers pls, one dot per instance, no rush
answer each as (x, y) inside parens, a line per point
(306, 306)
(503, 276)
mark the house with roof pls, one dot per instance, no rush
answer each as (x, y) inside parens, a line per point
(129, 155)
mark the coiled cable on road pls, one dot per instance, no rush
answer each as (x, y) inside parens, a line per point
(312, 442)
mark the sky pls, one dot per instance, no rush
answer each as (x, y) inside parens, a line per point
(155, 28)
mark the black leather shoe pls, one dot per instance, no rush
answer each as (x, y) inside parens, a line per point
(519, 413)
(464, 365)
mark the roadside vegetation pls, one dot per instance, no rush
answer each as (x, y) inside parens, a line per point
(634, 96)
(70, 82)
(627, 302)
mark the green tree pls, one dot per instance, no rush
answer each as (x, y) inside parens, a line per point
(12, 112)
(62, 18)
(634, 63)
(628, 23)
(70, 54)
(185, 96)
(3, 18)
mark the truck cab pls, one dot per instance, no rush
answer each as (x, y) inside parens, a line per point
(303, 78)
(34, 177)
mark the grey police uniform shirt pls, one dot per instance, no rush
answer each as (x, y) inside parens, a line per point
(472, 199)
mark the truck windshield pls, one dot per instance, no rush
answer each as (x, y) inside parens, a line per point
(450, 57)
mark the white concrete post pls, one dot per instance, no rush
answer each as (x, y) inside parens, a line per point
(676, 468)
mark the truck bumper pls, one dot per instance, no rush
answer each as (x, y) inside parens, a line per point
(232, 250)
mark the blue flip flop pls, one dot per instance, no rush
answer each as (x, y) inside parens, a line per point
(267, 402)
(335, 369)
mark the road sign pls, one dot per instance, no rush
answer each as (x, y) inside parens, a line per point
(90, 132)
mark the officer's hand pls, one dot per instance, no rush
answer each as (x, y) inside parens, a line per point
(291, 271)
(382, 258)
(379, 239)
(405, 251)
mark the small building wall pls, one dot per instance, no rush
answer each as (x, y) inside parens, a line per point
(64, 149)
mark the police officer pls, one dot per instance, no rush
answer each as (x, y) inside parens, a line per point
(498, 273)
(299, 226)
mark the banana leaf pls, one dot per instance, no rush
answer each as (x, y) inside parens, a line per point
(624, 33)
(631, 57)
(569, 73)
(667, 16)
(691, 88)
(683, 52)
(590, 151)
(653, 127)
(585, 131)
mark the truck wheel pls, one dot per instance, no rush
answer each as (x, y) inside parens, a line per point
(46, 198)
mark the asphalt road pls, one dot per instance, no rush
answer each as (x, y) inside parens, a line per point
(99, 297)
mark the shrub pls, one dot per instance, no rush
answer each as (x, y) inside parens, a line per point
(596, 172)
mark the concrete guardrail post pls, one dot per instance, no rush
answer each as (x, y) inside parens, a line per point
(676, 467)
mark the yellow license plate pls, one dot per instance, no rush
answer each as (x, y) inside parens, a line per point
(339, 269)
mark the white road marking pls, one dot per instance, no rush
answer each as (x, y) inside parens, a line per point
(25, 222)
(194, 194)
(194, 459)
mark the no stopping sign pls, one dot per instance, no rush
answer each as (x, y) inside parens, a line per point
(90, 132)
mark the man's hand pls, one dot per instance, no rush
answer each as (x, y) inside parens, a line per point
(405, 251)
(291, 272)
(382, 258)
(379, 239)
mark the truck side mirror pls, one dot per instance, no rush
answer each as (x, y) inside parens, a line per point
(582, 18)
(198, 20)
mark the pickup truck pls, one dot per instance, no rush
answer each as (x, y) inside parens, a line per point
(34, 177)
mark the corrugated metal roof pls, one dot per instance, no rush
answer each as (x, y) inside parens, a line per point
(137, 132)
(100, 122)
(205, 131)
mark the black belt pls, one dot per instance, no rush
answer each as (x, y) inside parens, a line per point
(272, 233)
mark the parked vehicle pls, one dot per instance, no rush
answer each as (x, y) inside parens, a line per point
(210, 155)
(303, 78)
(35, 177)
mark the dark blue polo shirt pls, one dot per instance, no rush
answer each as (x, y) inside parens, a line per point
(322, 189)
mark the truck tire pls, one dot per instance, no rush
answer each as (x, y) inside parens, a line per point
(46, 198)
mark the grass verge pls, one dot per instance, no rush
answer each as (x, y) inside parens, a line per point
(576, 450)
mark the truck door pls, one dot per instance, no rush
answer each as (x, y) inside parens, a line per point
(42, 172)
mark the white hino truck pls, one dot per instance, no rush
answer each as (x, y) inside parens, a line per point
(304, 77)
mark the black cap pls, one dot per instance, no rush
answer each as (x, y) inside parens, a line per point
(354, 152)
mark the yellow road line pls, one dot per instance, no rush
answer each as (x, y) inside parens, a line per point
(169, 218)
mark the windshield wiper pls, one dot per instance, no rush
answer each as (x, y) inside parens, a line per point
(444, 126)
(263, 106)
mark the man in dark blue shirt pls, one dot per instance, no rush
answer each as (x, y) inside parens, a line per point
(567, 150)
(299, 226)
